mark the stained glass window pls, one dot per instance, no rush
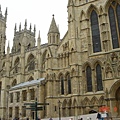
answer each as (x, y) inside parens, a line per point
(89, 79)
(114, 19)
(113, 28)
(99, 78)
(69, 83)
(62, 84)
(95, 32)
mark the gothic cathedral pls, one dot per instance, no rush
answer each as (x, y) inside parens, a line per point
(78, 73)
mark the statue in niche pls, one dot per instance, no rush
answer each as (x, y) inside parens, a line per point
(108, 72)
(114, 57)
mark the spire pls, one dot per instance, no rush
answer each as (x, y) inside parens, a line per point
(6, 14)
(8, 48)
(25, 24)
(53, 27)
(39, 40)
(30, 27)
(20, 27)
(34, 30)
(0, 11)
(15, 29)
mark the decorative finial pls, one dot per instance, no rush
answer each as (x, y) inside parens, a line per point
(53, 15)
(15, 29)
(6, 14)
(0, 11)
(6, 11)
(0, 8)
(34, 30)
(8, 44)
(39, 40)
(20, 27)
(25, 24)
(39, 35)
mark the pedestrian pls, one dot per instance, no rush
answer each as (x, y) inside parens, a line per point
(99, 116)
(27, 119)
(50, 119)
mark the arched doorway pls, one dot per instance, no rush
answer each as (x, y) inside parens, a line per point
(117, 97)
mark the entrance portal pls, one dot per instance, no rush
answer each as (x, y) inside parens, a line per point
(117, 96)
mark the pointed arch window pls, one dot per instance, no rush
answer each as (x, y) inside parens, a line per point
(62, 84)
(14, 83)
(95, 32)
(114, 19)
(118, 16)
(17, 61)
(69, 83)
(31, 78)
(31, 63)
(89, 79)
(99, 78)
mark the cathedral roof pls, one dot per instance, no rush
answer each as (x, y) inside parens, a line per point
(28, 83)
(53, 27)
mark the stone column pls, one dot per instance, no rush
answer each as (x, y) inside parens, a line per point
(93, 81)
(67, 60)
(28, 94)
(13, 113)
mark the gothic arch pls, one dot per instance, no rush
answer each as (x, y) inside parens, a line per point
(74, 103)
(86, 101)
(86, 64)
(60, 75)
(94, 101)
(82, 15)
(30, 57)
(64, 104)
(90, 9)
(114, 88)
(101, 101)
(14, 82)
(107, 4)
(30, 78)
(66, 74)
(95, 62)
(31, 62)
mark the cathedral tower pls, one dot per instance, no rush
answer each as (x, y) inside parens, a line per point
(3, 20)
(24, 36)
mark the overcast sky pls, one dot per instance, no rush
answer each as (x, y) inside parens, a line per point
(38, 12)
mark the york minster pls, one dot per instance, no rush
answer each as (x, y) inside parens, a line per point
(78, 73)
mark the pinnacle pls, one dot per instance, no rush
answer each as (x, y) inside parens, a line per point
(53, 27)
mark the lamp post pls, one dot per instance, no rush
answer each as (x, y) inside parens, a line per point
(59, 109)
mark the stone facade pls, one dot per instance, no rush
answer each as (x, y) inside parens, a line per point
(81, 71)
